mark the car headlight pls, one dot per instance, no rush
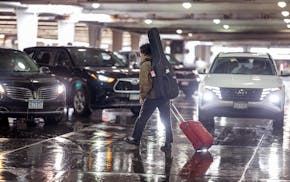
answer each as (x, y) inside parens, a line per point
(215, 90)
(274, 98)
(208, 96)
(104, 78)
(208, 93)
(268, 91)
(2, 90)
(60, 89)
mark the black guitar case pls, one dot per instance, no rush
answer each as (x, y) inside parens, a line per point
(164, 82)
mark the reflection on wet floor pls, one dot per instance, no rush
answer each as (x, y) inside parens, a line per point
(92, 149)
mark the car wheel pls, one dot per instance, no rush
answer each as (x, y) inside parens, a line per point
(53, 119)
(278, 121)
(205, 118)
(136, 110)
(81, 103)
(4, 122)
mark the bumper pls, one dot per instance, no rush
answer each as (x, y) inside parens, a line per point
(117, 100)
(262, 109)
(12, 108)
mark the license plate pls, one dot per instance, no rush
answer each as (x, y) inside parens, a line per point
(184, 83)
(240, 105)
(35, 104)
(134, 97)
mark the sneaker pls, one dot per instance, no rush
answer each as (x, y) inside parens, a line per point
(131, 141)
(166, 148)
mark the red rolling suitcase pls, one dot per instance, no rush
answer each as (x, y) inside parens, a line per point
(196, 133)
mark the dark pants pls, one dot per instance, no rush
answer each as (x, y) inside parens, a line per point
(146, 111)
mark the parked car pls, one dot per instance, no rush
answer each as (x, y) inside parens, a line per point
(95, 78)
(132, 59)
(187, 77)
(242, 85)
(26, 91)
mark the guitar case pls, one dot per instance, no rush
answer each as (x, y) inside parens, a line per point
(164, 80)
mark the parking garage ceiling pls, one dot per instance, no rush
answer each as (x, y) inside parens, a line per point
(207, 20)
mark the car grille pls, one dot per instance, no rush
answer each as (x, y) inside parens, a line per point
(21, 93)
(127, 86)
(241, 94)
(47, 93)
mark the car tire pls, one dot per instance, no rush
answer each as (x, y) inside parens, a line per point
(4, 122)
(136, 110)
(205, 117)
(53, 120)
(81, 102)
(278, 121)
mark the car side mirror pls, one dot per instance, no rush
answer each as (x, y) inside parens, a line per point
(44, 69)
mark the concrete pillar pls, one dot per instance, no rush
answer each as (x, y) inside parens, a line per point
(203, 52)
(117, 40)
(135, 39)
(94, 35)
(66, 32)
(27, 25)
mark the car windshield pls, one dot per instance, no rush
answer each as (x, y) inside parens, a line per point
(243, 65)
(15, 61)
(172, 60)
(95, 58)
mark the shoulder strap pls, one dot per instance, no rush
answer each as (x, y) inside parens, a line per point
(146, 60)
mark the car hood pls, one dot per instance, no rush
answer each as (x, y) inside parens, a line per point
(22, 79)
(115, 72)
(242, 81)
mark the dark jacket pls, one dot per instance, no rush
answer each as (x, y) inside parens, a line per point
(146, 90)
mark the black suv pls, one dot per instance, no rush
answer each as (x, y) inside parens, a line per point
(27, 91)
(94, 78)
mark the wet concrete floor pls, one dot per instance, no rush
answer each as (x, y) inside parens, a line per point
(91, 149)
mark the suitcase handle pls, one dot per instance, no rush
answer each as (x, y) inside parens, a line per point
(176, 113)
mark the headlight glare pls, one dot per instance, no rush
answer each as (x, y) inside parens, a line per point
(60, 89)
(208, 96)
(273, 98)
(104, 78)
(2, 90)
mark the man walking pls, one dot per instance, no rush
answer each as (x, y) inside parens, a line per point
(150, 102)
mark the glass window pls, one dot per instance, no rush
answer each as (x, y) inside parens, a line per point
(62, 59)
(43, 58)
(95, 58)
(15, 61)
(243, 65)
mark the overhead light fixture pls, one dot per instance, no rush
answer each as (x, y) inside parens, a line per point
(179, 31)
(287, 20)
(216, 21)
(285, 13)
(226, 27)
(186, 5)
(96, 5)
(189, 34)
(288, 25)
(282, 4)
(148, 21)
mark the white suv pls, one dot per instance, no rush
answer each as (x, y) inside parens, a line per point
(242, 85)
